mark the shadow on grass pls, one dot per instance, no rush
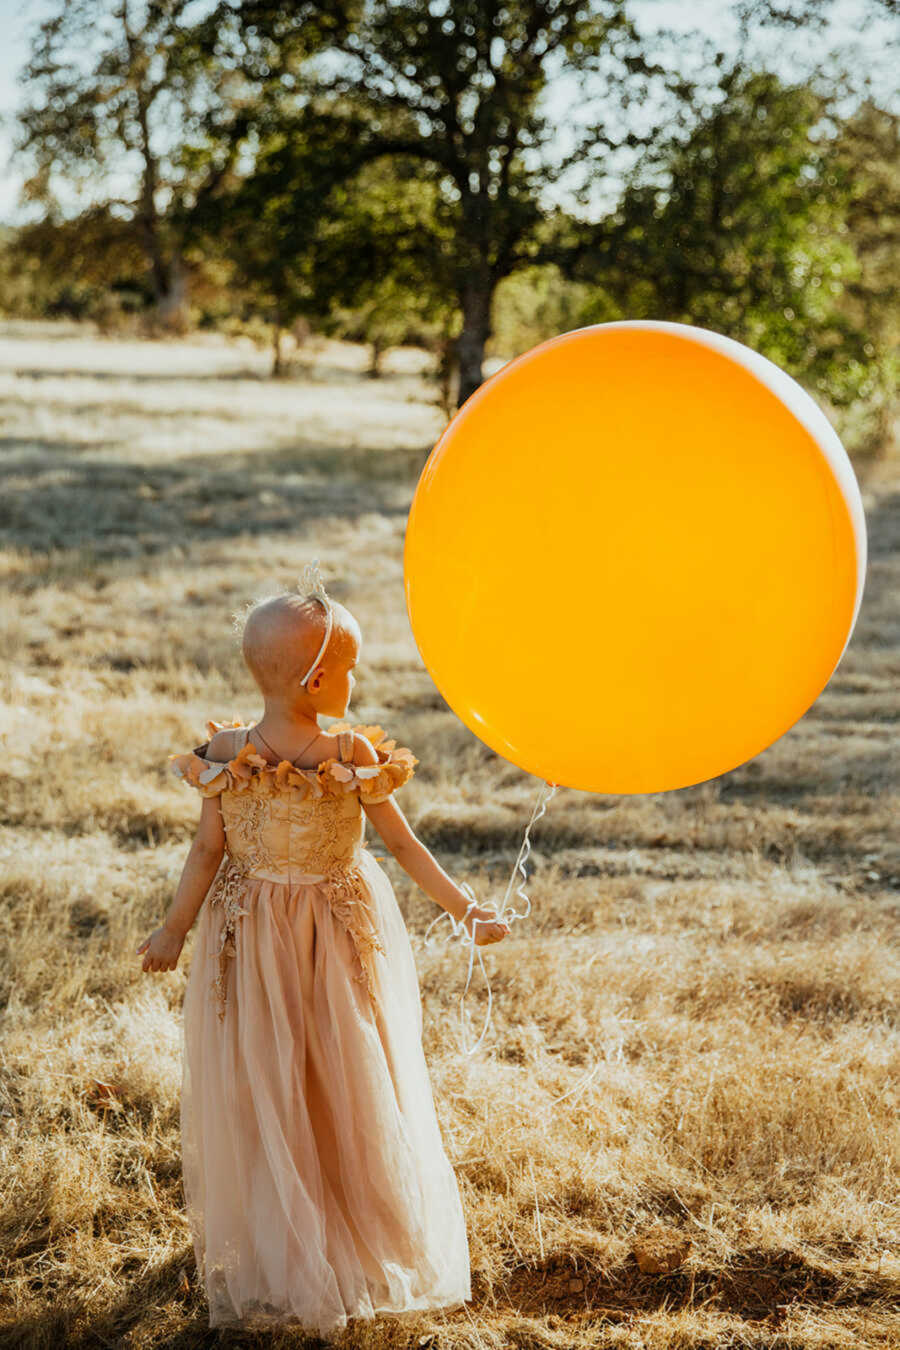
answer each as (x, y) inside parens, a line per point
(73, 1322)
(308, 371)
(755, 1286)
(758, 1287)
(141, 377)
(62, 496)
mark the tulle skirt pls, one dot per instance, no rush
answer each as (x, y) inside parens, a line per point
(316, 1183)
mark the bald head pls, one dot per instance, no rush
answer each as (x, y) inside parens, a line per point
(283, 634)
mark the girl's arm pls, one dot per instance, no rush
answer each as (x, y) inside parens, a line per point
(163, 947)
(200, 867)
(421, 865)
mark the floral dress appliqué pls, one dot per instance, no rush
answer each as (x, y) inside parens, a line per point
(316, 1182)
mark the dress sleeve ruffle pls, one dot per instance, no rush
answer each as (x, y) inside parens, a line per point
(374, 782)
(248, 771)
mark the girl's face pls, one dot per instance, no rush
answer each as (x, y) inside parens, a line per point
(333, 683)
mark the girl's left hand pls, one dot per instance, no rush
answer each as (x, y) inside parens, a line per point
(163, 948)
(488, 928)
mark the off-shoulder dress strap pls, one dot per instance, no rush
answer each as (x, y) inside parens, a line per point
(239, 738)
(345, 746)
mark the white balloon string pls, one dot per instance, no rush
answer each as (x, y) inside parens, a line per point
(540, 806)
(458, 926)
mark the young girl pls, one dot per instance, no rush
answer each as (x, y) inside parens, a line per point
(316, 1183)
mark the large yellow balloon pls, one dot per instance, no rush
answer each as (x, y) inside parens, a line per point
(635, 557)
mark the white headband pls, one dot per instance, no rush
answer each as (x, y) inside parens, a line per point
(311, 584)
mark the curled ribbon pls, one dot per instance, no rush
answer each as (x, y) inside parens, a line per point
(458, 926)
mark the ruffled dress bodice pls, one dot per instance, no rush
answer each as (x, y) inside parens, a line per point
(296, 826)
(284, 823)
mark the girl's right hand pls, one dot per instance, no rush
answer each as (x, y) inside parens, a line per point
(488, 929)
(163, 948)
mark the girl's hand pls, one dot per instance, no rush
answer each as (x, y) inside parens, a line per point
(488, 928)
(163, 948)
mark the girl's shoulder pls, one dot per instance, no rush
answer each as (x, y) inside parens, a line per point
(367, 762)
(225, 740)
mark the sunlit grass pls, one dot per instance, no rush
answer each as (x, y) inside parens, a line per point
(693, 1058)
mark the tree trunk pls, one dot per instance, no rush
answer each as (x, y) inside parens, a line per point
(378, 346)
(172, 305)
(301, 330)
(446, 368)
(150, 238)
(147, 216)
(169, 281)
(475, 298)
(276, 345)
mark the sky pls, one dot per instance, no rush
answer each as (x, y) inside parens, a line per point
(874, 43)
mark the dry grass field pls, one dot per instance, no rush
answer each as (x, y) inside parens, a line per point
(682, 1129)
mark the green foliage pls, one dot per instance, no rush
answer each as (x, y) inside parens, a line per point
(87, 268)
(537, 302)
(453, 90)
(741, 228)
(353, 254)
(377, 265)
(867, 151)
(396, 191)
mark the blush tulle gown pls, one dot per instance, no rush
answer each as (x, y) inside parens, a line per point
(316, 1182)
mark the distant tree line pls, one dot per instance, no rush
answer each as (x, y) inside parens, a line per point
(387, 170)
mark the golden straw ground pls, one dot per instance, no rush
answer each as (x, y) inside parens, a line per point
(707, 983)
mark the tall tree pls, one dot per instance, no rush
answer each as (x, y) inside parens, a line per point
(740, 227)
(115, 91)
(458, 86)
(455, 86)
(352, 255)
(90, 266)
(377, 260)
(867, 156)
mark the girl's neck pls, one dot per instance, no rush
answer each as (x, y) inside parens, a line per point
(286, 732)
(296, 714)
